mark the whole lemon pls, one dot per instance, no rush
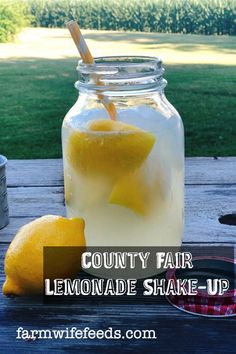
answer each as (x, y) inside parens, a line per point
(24, 266)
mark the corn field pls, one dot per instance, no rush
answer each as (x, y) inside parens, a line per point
(169, 16)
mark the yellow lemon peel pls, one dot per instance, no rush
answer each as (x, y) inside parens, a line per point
(134, 192)
(109, 148)
(24, 257)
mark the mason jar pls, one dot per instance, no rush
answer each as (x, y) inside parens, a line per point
(123, 155)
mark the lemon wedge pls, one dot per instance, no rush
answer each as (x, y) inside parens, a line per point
(134, 192)
(109, 148)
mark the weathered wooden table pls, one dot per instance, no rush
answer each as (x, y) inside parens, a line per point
(35, 188)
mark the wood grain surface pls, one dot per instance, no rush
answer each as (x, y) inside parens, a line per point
(35, 188)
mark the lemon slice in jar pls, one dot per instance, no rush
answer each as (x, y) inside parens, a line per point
(135, 192)
(109, 148)
(131, 192)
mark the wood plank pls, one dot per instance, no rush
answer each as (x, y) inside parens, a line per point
(214, 232)
(40, 172)
(184, 333)
(208, 170)
(203, 206)
(48, 172)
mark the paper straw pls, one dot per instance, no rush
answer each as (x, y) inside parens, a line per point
(87, 58)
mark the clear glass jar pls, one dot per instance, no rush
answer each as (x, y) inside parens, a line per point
(125, 177)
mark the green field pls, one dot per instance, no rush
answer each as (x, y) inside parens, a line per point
(37, 92)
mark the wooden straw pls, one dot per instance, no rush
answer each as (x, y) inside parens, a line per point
(87, 58)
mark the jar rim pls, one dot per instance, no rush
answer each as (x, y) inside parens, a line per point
(121, 73)
(113, 64)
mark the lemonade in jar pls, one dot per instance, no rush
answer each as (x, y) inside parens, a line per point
(124, 172)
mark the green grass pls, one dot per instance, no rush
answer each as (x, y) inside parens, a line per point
(205, 97)
(36, 94)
